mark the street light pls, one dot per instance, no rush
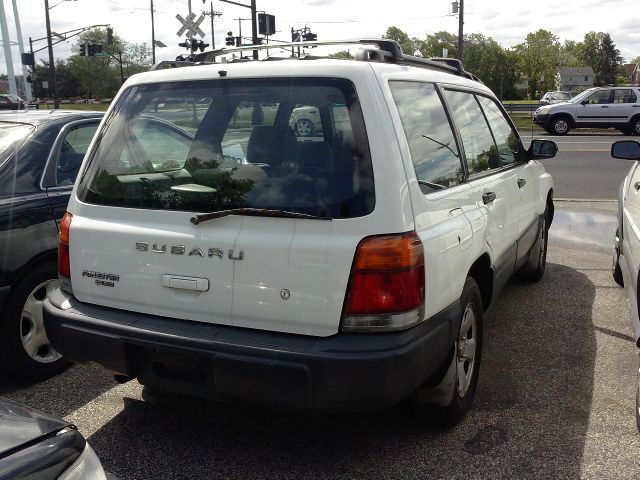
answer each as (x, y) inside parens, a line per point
(52, 67)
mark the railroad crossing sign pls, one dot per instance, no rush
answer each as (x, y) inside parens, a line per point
(192, 28)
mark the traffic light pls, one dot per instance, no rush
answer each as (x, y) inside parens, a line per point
(83, 49)
(91, 50)
(202, 45)
(109, 36)
(97, 48)
(230, 41)
(310, 37)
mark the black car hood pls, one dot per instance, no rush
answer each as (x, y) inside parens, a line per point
(20, 425)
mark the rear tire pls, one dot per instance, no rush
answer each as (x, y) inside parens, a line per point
(561, 125)
(467, 356)
(27, 354)
(534, 269)
(634, 126)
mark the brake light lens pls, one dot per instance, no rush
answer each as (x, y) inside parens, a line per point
(64, 266)
(387, 284)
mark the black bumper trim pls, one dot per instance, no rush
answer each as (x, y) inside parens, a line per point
(346, 371)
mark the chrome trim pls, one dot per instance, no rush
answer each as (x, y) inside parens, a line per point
(216, 252)
(383, 322)
(196, 251)
(178, 249)
(142, 246)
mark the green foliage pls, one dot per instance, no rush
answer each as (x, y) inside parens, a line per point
(342, 54)
(538, 58)
(432, 45)
(610, 62)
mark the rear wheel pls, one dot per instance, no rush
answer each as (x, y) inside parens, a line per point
(467, 355)
(560, 125)
(27, 352)
(303, 127)
(534, 269)
(634, 126)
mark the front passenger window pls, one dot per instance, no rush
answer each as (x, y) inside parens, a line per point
(509, 147)
(69, 158)
(480, 150)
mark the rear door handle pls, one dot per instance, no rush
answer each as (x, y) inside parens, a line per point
(521, 182)
(488, 197)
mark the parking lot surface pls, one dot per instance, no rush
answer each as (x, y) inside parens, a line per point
(555, 398)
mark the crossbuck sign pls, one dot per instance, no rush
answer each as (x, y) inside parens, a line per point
(192, 28)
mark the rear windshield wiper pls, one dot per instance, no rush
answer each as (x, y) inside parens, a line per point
(255, 212)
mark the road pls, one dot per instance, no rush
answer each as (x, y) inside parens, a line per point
(555, 398)
(584, 168)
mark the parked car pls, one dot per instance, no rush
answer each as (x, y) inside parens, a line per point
(40, 155)
(344, 273)
(626, 250)
(555, 97)
(9, 101)
(35, 445)
(598, 107)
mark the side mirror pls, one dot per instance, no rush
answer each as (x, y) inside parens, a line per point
(627, 149)
(540, 149)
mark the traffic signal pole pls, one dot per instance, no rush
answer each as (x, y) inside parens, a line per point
(254, 23)
(52, 67)
(460, 29)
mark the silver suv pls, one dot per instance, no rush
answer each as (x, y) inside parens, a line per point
(598, 107)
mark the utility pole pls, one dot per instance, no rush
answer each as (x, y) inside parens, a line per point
(460, 29)
(153, 38)
(212, 14)
(52, 67)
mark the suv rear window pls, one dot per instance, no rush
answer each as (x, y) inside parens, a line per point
(295, 144)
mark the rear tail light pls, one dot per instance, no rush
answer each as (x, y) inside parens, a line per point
(386, 288)
(64, 265)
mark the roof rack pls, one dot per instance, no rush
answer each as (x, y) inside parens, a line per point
(387, 51)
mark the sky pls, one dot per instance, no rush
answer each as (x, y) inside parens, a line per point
(507, 21)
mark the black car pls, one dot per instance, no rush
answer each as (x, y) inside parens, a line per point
(39, 446)
(40, 155)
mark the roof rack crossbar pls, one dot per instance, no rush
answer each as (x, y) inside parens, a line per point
(389, 51)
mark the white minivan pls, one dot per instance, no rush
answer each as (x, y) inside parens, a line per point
(347, 272)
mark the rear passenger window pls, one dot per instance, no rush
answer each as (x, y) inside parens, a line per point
(624, 96)
(480, 150)
(509, 147)
(72, 150)
(434, 152)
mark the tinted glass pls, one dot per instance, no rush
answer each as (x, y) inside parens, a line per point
(72, 151)
(213, 145)
(506, 138)
(624, 96)
(479, 148)
(433, 147)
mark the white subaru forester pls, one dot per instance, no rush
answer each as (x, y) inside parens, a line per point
(207, 249)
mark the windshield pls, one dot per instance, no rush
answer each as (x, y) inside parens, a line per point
(581, 96)
(12, 136)
(294, 144)
(559, 96)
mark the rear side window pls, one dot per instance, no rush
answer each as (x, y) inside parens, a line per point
(434, 152)
(479, 149)
(72, 151)
(213, 145)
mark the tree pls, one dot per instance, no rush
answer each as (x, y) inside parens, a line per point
(538, 56)
(610, 65)
(342, 54)
(407, 44)
(432, 45)
(589, 50)
(495, 66)
(570, 54)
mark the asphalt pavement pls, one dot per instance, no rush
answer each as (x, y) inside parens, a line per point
(555, 398)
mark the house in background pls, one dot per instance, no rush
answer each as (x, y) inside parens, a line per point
(632, 73)
(574, 79)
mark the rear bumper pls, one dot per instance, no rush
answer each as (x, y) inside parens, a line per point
(341, 372)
